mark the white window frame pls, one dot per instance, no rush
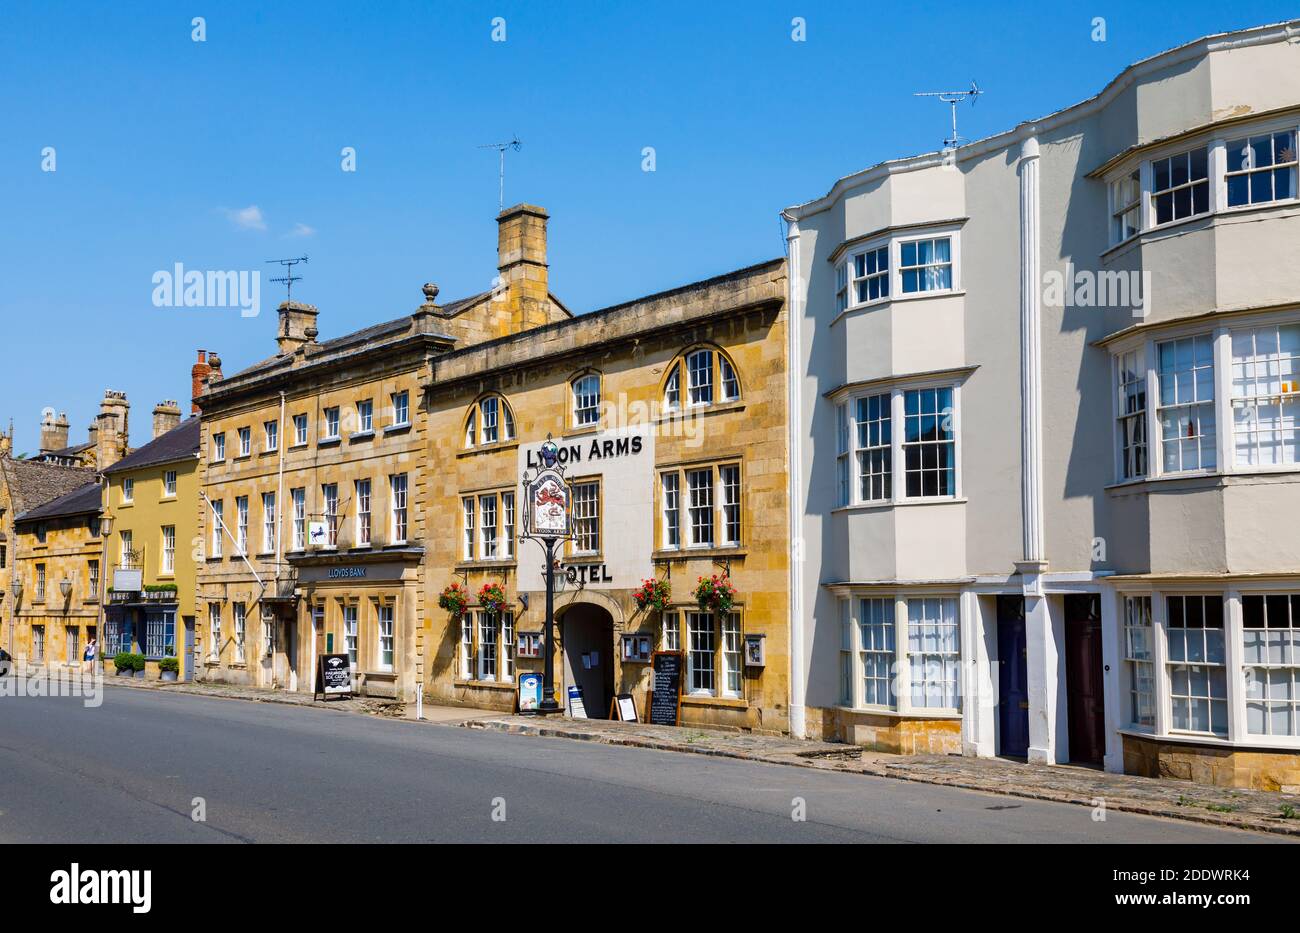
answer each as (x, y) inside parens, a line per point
(1136, 422)
(508, 525)
(583, 414)
(487, 524)
(351, 634)
(300, 427)
(241, 525)
(219, 447)
(168, 555)
(270, 524)
(128, 489)
(330, 511)
(469, 530)
(846, 278)
(271, 436)
(399, 523)
(214, 631)
(1286, 399)
(1176, 658)
(587, 526)
(1279, 644)
(240, 615)
(385, 641)
(245, 442)
(362, 491)
(299, 499)
(331, 418)
(401, 402)
(670, 503)
(366, 416)
(218, 526)
(169, 484)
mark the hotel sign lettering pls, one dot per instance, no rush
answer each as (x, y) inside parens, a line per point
(599, 449)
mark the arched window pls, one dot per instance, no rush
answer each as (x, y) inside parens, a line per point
(703, 376)
(490, 421)
(586, 400)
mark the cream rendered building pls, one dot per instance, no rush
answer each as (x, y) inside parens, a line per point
(1045, 445)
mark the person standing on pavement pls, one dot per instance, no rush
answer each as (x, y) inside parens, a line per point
(89, 656)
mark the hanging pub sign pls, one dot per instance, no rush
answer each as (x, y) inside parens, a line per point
(547, 513)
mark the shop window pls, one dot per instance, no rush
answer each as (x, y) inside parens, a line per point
(487, 649)
(1271, 659)
(933, 649)
(160, 634)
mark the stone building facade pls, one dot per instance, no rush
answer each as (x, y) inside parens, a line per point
(349, 482)
(1045, 391)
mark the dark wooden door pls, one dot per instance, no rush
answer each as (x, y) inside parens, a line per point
(1013, 676)
(1083, 672)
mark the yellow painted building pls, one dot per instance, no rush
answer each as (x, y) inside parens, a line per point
(151, 520)
(58, 581)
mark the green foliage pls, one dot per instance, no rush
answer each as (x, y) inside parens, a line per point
(169, 664)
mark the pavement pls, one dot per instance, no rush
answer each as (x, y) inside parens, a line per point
(161, 765)
(1259, 811)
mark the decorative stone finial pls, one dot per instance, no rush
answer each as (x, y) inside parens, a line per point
(430, 292)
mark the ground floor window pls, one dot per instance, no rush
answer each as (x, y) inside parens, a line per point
(699, 659)
(487, 646)
(118, 634)
(38, 642)
(214, 630)
(1139, 660)
(350, 634)
(715, 661)
(160, 634)
(1198, 676)
(672, 632)
(1271, 657)
(241, 619)
(385, 638)
(922, 659)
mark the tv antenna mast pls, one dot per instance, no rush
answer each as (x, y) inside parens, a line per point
(501, 148)
(952, 99)
(288, 278)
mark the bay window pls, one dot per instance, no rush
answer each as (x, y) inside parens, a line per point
(901, 445)
(1132, 418)
(1266, 395)
(933, 652)
(1271, 659)
(1186, 412)
(1198, 677)
(926, 265)
(1261, 169)
(870, 275)
(892, 643)
(1126, 206)
(1180, 185)
(1139, 661)
(873, 447)
(842, 494)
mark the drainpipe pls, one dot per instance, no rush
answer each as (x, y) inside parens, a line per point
(794, 404)
(281, 440)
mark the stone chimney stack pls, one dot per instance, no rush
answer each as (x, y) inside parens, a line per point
(7, 441)
(521, 261)
(113, 429)
(297, 326)
(54, 431)
(166, 416)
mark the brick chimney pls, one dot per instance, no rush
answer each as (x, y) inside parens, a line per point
(297, 326)
(112, 429)
(521, 261)
(199, 373)
(54, 431)
(166, 416)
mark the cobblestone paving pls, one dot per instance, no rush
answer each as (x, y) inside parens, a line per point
(1246, 809)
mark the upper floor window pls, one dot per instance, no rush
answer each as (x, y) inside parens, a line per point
(331, 424)
(1266, 395)
(897, 444)
(1126, 206)
(926, 265)
(709, 377)
(128, 489)
(219, 447)
(299, 430)
(713, 507)
(401, 409)
(490, 421)
(271, 436)
(365, 416)
(586, 518)
(1186, 412)
(245, 441)
(1132, 416)
(1180, 185)
(586, 400)
(397, 532)
(169, 483)
(871, 275)
(1261, 168)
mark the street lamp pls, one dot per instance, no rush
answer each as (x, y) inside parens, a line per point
(546, 521)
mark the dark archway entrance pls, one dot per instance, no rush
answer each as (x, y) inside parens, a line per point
(587, 635)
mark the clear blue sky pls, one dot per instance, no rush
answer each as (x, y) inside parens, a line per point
(160, 139)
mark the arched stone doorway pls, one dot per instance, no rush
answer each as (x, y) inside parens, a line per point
(587, 637)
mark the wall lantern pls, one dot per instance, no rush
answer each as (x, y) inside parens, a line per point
(65, 587)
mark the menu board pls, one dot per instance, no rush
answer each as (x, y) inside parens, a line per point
(334, 676)
(666, 695)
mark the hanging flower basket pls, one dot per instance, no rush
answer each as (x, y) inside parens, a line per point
(653, 594)
(715, 594)
(454, 599)
(492, 597)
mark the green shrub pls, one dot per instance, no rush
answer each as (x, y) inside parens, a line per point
(160, 588)
(124, 661)
(169, 664)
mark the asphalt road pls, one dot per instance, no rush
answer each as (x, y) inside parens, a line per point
(130, 770)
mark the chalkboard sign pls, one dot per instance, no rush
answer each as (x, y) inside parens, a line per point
(333, 675)
(666, 695)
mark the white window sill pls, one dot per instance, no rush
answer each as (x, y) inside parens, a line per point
(895, 503)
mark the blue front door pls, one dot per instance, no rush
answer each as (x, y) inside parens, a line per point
(1013, 689)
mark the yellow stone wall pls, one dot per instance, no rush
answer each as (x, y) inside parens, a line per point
(1257, 769)
(66, 554)
(884, 733)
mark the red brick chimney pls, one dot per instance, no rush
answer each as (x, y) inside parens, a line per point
(199, 373)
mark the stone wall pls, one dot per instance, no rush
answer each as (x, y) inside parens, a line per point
(884, 733)
(1258, 769)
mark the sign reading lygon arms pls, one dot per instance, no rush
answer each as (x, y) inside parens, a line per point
(610, 474)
